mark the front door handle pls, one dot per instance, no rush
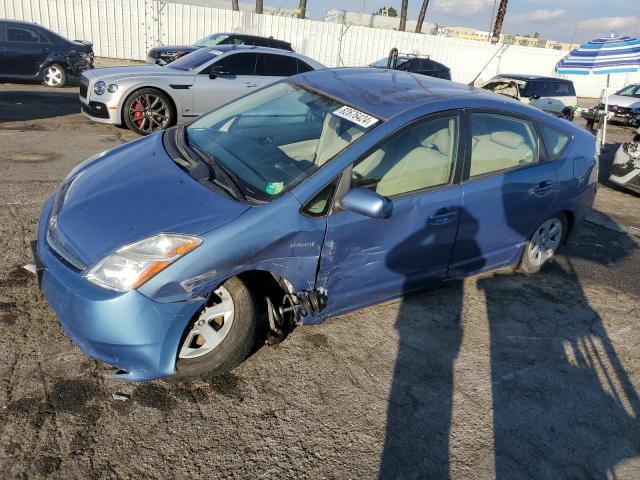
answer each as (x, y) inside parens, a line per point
(250, 85)
(443, 216)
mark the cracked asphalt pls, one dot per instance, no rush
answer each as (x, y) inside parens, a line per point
(498, 376)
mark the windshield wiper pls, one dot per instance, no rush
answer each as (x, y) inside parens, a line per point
(221, 176)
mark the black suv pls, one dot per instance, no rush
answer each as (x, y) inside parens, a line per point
(422, 65)
(31, 52)
(167, 54)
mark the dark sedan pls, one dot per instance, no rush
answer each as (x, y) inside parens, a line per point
(168, 53)
(32, 52)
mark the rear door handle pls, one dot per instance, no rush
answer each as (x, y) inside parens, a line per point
(543, 188)
(443, 216)
(250, 85)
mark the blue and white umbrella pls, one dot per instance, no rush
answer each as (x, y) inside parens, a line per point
(603, 56)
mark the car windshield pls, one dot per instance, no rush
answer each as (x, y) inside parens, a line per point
(194, 59)
(275, 138)
(383, 62)
(630, 91)
(211, 40)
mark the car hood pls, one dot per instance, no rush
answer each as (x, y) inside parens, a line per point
(624, 101)
(129, 193)
(119, 73)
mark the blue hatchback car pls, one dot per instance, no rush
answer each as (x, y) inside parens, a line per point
(315, 196)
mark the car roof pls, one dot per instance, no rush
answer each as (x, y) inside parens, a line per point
(386, 93)
(230, 48)
(248, 35)
(532, 77)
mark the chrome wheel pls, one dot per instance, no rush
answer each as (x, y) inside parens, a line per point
(545, 242)
(53, 76)
(211, 327)
(149, 112)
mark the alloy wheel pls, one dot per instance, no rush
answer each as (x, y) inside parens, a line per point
(53, 76)
(211, 327)
(545, 241)
(149, 112)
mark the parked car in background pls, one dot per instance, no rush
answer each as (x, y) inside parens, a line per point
(168, 53)
(32, 52)
(625, 171)
(624, 107)
(552, 95)
(149, 97)
(315, 196)
(422, 65)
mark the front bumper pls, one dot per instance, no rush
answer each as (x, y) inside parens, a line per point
(125, 330)
(625, 172)
(108, 112)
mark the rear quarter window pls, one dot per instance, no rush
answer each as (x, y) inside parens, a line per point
(555, 140)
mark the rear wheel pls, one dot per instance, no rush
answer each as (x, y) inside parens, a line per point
(54, 76)
(543, 244)
(222, 335)
(148, 110)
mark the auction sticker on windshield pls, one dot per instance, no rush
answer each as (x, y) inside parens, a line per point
(356, 116)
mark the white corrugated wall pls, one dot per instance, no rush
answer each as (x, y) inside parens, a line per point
(129, 28)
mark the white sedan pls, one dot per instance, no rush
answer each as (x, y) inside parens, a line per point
(148, 98)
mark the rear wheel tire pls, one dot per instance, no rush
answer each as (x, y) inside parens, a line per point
(223, 334)
(54, 76)
(148, 110)
(543, 244)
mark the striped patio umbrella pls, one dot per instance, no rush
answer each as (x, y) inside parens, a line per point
(603, 56)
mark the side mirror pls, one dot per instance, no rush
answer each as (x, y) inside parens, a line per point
(535, 96)
(217, 71)
(368, 203)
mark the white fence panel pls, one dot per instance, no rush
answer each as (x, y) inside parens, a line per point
(129, 28)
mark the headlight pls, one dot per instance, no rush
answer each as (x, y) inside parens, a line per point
(132, 265)
(112, 88)
(99, 87)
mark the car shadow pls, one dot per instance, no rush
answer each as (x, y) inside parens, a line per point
(25, 105)
(563, 404)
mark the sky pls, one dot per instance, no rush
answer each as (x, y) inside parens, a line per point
(553, 19)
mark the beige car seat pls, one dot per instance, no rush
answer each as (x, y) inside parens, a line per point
(498, 151)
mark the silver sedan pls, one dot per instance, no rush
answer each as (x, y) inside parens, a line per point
(148, 98)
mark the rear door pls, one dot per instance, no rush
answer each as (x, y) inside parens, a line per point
(239, 80)
(26, 49)
(273, 67)
(508, 189)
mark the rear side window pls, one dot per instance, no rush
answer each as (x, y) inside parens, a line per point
(561, 89)
(303, 67)
(278, 65)
(22, 34)
(501, 142)
(554, 140)
(239, 63)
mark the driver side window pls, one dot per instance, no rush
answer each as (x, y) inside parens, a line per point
(420, 157)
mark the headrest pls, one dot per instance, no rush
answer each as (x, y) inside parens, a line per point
(507, 139)
(440, 140)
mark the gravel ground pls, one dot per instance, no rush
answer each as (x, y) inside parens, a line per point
(499, 376)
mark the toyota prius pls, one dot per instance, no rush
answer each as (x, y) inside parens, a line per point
(316, 196)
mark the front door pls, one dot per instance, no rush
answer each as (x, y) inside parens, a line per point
(508, 191)
(25, 50)
(239, 79)
(366, 260)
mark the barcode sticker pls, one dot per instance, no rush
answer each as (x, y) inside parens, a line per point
(356, 116)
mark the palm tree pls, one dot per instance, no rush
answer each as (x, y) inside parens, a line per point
(423, 11)
(302, 7)
(259, 6)
(234, 5)
(403, 15)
